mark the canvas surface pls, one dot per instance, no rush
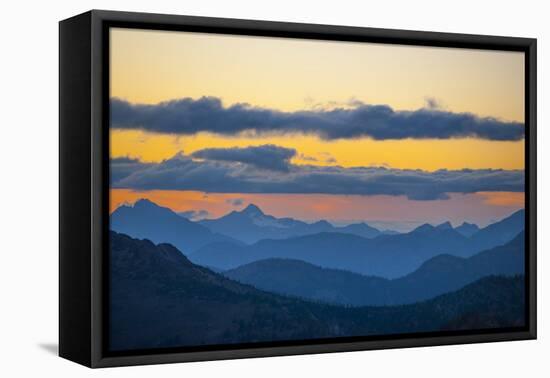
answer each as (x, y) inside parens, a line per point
(267, 189)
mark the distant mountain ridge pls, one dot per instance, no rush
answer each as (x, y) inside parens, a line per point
(147, 220)
(367, 256)
(159, 299)
(445, 226)
(388, 256)
(252, 224)
(500, 232)
(441, 274)
(467, 229)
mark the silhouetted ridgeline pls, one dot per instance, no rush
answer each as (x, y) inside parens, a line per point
(160, 299)
(357, 248)
(388, 256)
(251, 225)
(440, 274)
(147, 220)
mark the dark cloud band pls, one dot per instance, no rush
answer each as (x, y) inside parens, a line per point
(380, 122)
(185, 173)
(267, 156)
(125, 166)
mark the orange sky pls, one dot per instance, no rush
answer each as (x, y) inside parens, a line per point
(285, 74)
(481, 208)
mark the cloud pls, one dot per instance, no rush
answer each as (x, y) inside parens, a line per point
(185, 173)
(308, 158)
(267, 156)
(328, 158)
(433, 103)
(124, 166)
(235, 202)
(324, 157)
(194, 214)
(380, 122)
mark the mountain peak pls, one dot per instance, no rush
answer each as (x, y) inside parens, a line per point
(520, 213)
(467, 229)
(143, 202)
(322, 222)
(252, 210)
(425, 227)
(445, 226)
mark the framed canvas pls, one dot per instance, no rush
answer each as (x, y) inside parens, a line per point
(234, 188)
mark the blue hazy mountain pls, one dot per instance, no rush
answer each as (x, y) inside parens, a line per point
(388, 256)
(361, 229)
(500, 232)
(147, 220)
(252, 224)
(445, 226)
(467, 229)
(390, 232)
(441, 274)
(158, 298)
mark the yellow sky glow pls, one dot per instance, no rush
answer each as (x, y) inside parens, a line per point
(405, 154)
(291, 74)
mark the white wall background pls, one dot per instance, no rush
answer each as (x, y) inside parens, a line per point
(29, 189)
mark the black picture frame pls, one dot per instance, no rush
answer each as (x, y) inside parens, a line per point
(84, 183)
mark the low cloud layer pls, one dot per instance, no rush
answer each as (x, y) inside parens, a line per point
(237, 202)
(380, 122)
(195, 214)
(183, 172)
(124, 166)
(267, 156)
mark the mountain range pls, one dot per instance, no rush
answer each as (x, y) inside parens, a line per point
(219, 243)
(252, 224)
(147, 220)
(388, 256)
(467, 229)
(158, 299)
(438, 275)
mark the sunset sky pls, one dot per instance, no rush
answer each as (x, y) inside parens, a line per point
(393, 135)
